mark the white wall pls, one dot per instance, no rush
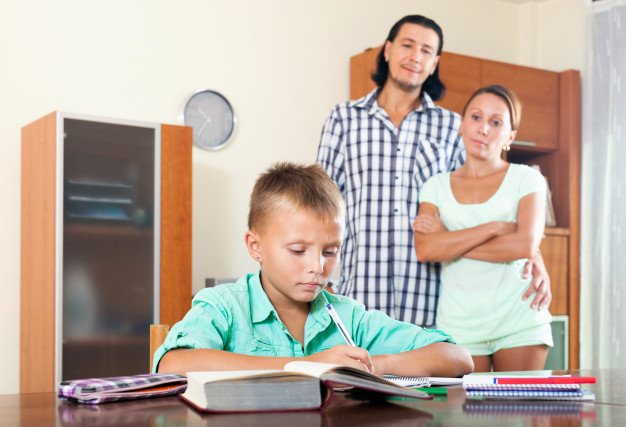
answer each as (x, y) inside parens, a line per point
(282, 63)
(551, 34)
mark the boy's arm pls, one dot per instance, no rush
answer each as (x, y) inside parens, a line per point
(183, 360)
(441, 359)
(405, 349)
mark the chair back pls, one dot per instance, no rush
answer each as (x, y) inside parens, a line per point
(157, 336)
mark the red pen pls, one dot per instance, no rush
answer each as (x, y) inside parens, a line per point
(546, 380)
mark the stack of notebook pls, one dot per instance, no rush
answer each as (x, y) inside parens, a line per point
(500, 387)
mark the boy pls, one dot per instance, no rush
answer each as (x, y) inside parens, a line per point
(270, 318)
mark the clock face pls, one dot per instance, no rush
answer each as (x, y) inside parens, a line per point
(212, 119)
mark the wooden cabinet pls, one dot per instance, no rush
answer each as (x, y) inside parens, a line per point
(462, 76)
(554, 248)
(549, 136)
(105, 244)
(538, 91)
(361, 68)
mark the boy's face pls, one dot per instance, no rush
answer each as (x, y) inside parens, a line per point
(298, 253)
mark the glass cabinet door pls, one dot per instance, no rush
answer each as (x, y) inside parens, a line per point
(109, 241)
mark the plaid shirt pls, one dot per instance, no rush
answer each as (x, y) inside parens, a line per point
(380, 170)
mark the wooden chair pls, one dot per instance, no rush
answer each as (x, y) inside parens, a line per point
(157, 336)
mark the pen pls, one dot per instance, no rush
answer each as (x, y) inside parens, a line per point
(433, 390)
(339, 324)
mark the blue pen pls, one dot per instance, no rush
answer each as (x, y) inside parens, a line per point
(339, 324)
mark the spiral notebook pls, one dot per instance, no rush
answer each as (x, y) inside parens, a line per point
(511, 394)
(506, 387)
(408, 381)
(422, 381)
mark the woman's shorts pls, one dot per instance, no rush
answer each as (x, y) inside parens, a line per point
(537, 335)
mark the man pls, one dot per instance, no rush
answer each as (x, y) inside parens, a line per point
(379, 150)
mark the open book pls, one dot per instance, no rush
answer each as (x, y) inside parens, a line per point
(299, 386)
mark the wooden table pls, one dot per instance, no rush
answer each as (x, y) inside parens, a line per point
(43, 409)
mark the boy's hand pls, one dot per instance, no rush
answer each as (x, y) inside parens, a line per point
(345, 355)
(381, 363)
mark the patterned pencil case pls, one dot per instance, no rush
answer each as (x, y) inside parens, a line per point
(129, 387)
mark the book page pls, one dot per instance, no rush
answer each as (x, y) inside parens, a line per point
(315, 369)
(208, 376)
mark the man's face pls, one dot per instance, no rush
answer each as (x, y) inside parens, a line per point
(412, 56)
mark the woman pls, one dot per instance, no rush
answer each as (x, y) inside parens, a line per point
(482, 222)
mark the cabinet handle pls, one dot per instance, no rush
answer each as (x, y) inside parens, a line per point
(524, 143)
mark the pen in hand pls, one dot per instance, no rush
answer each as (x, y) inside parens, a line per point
(339, 324)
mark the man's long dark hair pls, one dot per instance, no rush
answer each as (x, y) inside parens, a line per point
(433, 85)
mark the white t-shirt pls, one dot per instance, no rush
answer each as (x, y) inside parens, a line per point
(480, 300)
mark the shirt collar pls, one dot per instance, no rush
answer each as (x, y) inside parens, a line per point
(369, 102)
(318, 309)
(261, 307)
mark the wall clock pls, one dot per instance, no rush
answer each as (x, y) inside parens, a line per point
(211, 117)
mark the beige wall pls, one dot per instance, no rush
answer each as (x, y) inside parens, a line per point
(551, 34)
(282, 63)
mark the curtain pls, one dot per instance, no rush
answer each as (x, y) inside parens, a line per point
(603, 225)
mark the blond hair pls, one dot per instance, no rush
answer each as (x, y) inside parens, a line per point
(298, 186)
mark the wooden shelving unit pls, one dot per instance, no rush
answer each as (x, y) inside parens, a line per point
(44, 208)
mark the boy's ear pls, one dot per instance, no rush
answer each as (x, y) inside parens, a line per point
(253, 243)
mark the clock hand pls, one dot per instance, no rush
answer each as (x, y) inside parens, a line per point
(201, 113)
(207, 121)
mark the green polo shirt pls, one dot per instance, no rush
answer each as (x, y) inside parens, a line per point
(240, 318)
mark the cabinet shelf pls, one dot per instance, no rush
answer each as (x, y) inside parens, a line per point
(107, 341)
(103, 230)
(531, 147)
(556, 231)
